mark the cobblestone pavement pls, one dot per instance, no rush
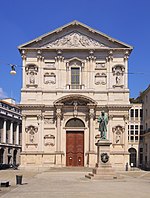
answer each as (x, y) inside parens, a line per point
(71, 183)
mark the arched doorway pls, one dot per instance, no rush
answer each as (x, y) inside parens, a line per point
(1, 155)
(133, 156)
(75, 142)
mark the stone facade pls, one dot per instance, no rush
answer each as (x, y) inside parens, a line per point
(70, 75)
(10, 132)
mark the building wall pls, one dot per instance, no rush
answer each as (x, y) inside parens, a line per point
(145, 99)
(49, 99)
(10, 132)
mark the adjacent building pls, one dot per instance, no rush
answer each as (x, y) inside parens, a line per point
(71, 75)
(10, 132)
(144, 98)
(135, 132)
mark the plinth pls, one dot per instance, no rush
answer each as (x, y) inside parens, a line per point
(103, 168)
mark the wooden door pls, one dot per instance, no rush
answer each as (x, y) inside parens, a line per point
(74, 148)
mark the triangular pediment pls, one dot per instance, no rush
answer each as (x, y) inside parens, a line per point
(75, 35)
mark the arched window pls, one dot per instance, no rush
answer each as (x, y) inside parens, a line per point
(75, 122)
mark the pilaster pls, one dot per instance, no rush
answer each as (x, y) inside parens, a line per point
(59, 60)
(40, 120)
(11, 133)
(4, 131)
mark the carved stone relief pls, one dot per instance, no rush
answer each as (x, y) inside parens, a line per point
(31, 71)
(49, 78)
(118, 134)
(75, 39)
(49, 140)
(100, 79)
(118, 73)
(31, 131)
(100, 66)
(50, 65)
(48, 120)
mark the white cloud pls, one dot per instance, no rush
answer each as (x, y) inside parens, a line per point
(2, 93)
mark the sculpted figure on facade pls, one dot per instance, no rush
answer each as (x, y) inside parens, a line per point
(32, 78)
(118, 72)
(118, 137)
(75, 39)
(31, 71)
(31, 130)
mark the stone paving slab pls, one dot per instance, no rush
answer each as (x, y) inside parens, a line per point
(70, 184)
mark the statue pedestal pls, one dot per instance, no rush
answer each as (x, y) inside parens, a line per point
(103, 168)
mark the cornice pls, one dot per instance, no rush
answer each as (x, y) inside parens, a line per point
(37, 106)
(114, 106)
(75, 49)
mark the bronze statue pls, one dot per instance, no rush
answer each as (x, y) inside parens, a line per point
(103, 121)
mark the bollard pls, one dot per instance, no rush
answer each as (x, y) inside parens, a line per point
(127, 166)
(19, 179)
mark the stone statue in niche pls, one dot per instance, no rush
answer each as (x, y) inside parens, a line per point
(118, 78)
(31, 71)
(31, 130)
(32, 78)
(118, 72)
(118, 131)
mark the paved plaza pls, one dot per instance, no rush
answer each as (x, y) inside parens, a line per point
(71, 183)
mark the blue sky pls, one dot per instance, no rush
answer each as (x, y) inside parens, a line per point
(125, 20)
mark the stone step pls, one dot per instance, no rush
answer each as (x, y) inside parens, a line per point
(69, 169)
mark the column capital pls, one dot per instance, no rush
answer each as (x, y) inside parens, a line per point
(110, 117)
(24, 117)
(91, 113)
(110, 56)
(58, 113)
(40, 117)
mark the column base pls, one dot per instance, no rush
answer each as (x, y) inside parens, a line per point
(58, 158)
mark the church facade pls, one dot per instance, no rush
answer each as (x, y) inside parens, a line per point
(71, 75)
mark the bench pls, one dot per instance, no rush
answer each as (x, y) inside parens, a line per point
(4, 183)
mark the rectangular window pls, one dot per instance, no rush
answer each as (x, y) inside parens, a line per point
(132, 126)
(136, 138)
(132, 113)
(141, 113)
(146, 114)
(132, 138)
(132, 132)
(136, 113)
(141, 150)
(75, 78)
